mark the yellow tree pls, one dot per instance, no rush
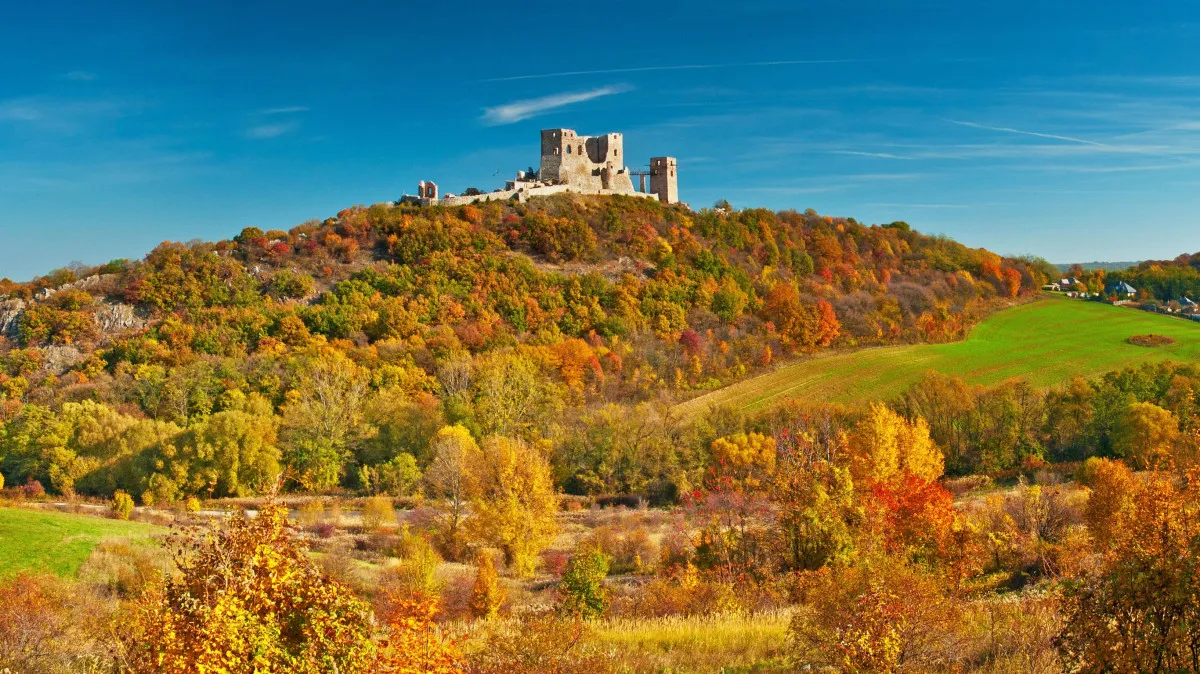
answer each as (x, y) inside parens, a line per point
(453, 481)
(1112, 487)
(1141, 611)
(516, 503)
(885, 444)
(747, 459)
(248, 600)
(1147, 434)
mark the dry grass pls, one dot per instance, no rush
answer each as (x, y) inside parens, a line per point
(722, 643)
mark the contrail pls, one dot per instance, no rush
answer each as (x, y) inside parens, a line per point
(700, 66)
(1005, 129)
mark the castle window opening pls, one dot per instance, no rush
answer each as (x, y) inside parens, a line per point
(580, 149)
(568, 149)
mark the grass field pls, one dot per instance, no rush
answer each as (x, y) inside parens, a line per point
(58, 543)
(1045, 342)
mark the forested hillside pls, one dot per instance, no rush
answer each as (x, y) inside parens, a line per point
(338, 349)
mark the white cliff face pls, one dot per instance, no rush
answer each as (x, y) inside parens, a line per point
(117, 317)
(10, 317)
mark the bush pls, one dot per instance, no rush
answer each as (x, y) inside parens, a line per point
(192, 505)
(417, 571)
(122, 505)
(582, 590)
(629, 551)
(378, 512)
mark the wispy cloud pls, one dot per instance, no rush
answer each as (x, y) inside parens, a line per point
(694, 66)
(62, 115)
(287, 110)
(1005, 129)
(79, 76)
(877, 155)
(264, 131)
(519, 110)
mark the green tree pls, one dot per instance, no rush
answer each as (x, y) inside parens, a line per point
(582, 592)
(323, 418)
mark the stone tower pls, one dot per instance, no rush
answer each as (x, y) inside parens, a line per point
(584, 162)
(664, 179)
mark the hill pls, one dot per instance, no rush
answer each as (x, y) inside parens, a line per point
(1045, 342)
(58, 543)
(338, 349)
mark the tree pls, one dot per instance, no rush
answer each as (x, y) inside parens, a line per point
(487, 594)
(413, 644)
(1112, 486)
(323, 416)
(516, 503)
(582, 592)
(234, 452)
(1141, 611)
(512, 396)
(248, 599)
(453, 479)
(747, 460)
(885, 444)
(1147, 434)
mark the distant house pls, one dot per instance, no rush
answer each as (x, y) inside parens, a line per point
(1068, 283)
(1121, 289)
(1187, 306)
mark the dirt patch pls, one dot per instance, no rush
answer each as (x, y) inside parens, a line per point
(1150, 340)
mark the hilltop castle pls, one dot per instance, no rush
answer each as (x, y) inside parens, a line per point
(573, 163)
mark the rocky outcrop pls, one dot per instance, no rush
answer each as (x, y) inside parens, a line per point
(117, 317)
(10, 317)
(58, 359)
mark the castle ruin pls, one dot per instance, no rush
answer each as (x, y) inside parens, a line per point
(573, 163)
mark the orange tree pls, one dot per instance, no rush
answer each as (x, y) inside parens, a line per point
(1141, 611)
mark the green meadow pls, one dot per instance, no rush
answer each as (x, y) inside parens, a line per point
(43, 541)
(1045, 342)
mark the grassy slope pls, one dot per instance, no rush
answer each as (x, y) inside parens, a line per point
(1045, 342)
(54, 542)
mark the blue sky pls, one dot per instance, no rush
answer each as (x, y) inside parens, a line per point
(1069, 129)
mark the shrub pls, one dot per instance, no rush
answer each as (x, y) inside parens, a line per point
(417, 571)
(877, 617)
(192, 505)
(582, 590)
(122, 505)
(629, 551)
(271, 587)
(378, 512)
(487, 595)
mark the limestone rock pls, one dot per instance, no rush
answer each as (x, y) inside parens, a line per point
(10, 317)
(117, 317)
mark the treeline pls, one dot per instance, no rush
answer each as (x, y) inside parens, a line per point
(1160, 280)
(357, 421)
